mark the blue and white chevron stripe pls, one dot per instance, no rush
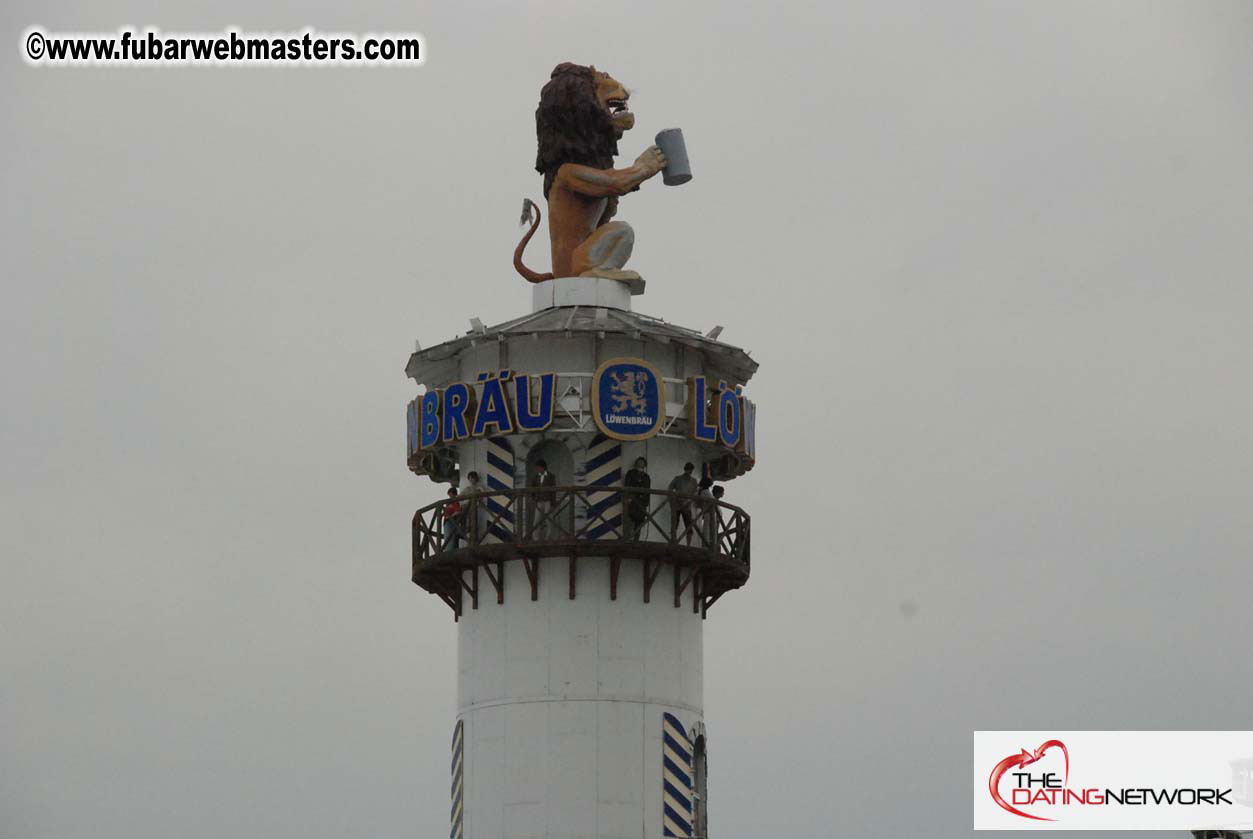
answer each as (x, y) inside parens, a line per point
(603, 468)
(457, 830)
(499, 477)
(676, 778)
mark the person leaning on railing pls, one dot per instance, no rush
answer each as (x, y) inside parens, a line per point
(637, 502)
(716, 513)
(545, 499)
(685, 487)
(705, 511)
(472, 513)
(452, 515)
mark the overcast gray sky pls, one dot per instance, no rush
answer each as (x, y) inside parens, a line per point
(994, 260)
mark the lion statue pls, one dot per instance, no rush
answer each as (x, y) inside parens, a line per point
(581, 116)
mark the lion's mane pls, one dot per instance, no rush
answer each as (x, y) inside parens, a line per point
(570, 125)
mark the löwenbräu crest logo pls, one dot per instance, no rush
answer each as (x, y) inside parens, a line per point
(627, 399)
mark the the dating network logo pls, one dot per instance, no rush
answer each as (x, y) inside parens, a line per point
(1048, 785)
(1118, 780)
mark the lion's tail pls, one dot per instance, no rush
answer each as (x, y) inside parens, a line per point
(531, 213)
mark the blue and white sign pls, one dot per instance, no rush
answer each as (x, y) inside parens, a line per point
(628, 402)
(627, 399)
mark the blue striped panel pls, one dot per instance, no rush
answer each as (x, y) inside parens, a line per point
(603, 455)
(497, 464)
(499, 477)
(456, 818)
(603, 468)
(676, 778)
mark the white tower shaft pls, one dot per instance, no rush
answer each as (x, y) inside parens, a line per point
(563, 700)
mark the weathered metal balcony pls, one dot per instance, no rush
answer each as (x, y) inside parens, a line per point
(704, 541)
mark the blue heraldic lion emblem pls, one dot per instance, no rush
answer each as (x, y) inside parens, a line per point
(627, 398)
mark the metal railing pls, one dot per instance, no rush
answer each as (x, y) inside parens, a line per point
(558, 519)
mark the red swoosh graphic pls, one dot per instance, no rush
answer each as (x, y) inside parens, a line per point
(1024, 758)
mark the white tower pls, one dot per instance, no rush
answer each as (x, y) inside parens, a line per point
(579, 604)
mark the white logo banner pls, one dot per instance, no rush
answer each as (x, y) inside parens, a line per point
(1113, 780)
